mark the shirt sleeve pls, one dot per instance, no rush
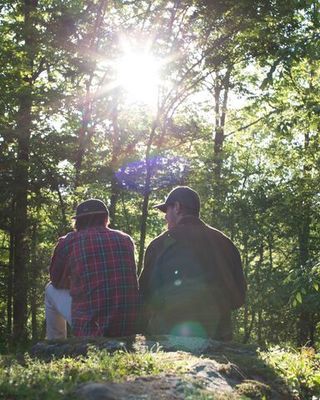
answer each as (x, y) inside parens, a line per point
(133, 259)
(59, 268)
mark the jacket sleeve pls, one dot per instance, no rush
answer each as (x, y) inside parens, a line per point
(239, 294)
(59, 268)
(144, 279)
(145, 275)
(226, 269)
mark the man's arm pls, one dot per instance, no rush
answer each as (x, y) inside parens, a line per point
(59, 268)
(144, 287)
(145, 274)
(239, 279)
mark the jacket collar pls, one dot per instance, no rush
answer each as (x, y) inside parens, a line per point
(190, 219)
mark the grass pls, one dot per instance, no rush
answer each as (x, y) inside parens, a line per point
(36, 379)
(300, 369)
(26, 378)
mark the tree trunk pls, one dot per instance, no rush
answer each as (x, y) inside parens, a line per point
(249, 328)
(246, 334)
(259, 328)
(312, 330)
(221, 92)
(23, 132)
(21, 245)
(34, 280)
(126, 216)
(220, 120)
(259, 290)
(304, 333)
(146, 197)
(113, 201)
(10, 274)
(83, 134)
(144, 216)
(114, 161)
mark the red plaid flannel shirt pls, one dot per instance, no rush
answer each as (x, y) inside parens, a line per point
(98, 266)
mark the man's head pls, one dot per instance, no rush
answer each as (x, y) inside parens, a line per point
(90, 213)
(181, 201)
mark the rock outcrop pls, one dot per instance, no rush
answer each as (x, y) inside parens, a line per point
(223, 370)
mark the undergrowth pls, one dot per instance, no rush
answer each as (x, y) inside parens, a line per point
(300, 369)
(26, 378)
(34, 379)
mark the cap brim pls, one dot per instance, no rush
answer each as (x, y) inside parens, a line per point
(88, 213)
(162, 207)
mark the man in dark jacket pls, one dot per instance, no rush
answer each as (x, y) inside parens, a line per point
(192, 277)
(94, 283)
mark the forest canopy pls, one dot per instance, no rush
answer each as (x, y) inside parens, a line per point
(124, 100)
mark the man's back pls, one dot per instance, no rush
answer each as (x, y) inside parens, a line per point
(218, 287)
(97, 265)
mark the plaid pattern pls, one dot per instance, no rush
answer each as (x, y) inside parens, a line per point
(98, 266)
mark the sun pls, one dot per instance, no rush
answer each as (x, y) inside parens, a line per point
(138, 73)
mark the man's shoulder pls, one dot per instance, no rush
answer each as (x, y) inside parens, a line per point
(158, 243)
(195, 228)
(67, 237)
(221, 239)
(97, 231)
(159, 239)
(216, 232)
(119, 234)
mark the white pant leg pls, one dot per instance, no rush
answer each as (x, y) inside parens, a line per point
(58, 311)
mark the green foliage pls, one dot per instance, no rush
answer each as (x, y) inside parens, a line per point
(305, 284)
(299, 368)
(34, 379)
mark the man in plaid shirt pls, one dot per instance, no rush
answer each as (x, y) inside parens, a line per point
(93, 278)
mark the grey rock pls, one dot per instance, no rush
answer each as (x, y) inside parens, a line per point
(208, 373)
(99, 391)
(143, 388)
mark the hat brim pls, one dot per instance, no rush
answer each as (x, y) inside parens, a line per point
(88, 213)
(162, 207)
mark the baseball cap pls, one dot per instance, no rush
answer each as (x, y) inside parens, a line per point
(91, 207)
(184, 195)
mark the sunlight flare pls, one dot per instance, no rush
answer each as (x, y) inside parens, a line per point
(138, 75)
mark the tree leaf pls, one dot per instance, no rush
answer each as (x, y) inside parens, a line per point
(299, 297)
